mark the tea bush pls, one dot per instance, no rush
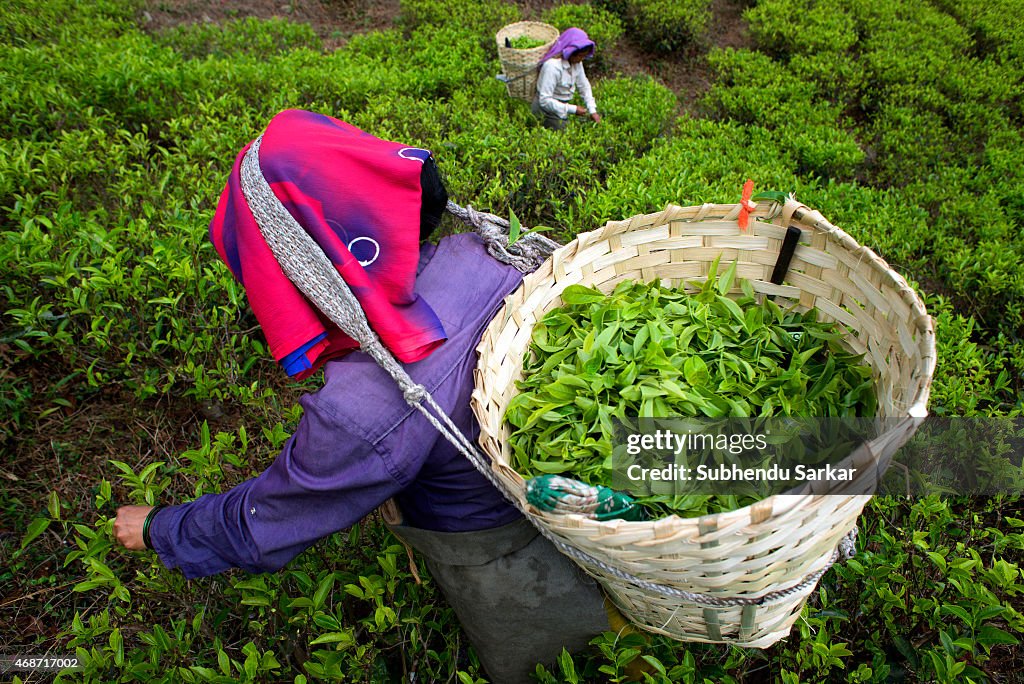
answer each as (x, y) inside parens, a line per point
(988, 26)
(134, 371)
(480, 17)
(26, 23)
(702, 161)
(798, 27)
(753, 89)
(661, 25)
(239, 37)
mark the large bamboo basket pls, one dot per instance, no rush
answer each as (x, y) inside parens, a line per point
(520, 66)
(775, 545)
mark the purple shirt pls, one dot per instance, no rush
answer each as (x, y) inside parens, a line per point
(359, 443)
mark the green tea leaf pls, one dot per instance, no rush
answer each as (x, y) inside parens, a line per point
(770, 195)
(726, 279)
(992, 636)
(514, 227)
(696, 371)
(578, 294)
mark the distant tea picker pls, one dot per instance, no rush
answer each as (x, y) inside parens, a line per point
(561, 75)
(550, 79)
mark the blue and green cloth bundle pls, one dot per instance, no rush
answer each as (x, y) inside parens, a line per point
(557, 494)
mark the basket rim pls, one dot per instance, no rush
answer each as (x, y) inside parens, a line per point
(525, 25)
(792, 212)
(531, 29)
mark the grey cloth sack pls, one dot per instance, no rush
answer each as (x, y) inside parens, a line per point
(518, 598)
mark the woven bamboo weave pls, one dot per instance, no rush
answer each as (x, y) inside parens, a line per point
(520, 66)
(775, 545)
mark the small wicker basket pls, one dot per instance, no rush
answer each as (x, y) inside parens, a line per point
(774, 546)
(520, 66)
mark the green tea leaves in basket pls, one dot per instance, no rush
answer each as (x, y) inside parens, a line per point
(524, 43)
(651, 351)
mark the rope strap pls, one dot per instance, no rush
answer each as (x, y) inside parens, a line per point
(846, 550)
(306, 266)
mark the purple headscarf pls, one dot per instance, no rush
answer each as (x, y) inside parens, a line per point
(571, 40)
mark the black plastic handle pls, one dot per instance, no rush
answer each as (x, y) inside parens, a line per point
(785, 255)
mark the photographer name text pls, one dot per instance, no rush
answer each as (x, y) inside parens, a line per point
(734, 473)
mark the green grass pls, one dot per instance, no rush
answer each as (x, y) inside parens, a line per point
(133, 370)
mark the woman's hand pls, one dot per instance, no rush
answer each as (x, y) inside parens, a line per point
(128, 526)
(582, 111)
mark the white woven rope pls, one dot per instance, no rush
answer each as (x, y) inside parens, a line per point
(309, 269)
